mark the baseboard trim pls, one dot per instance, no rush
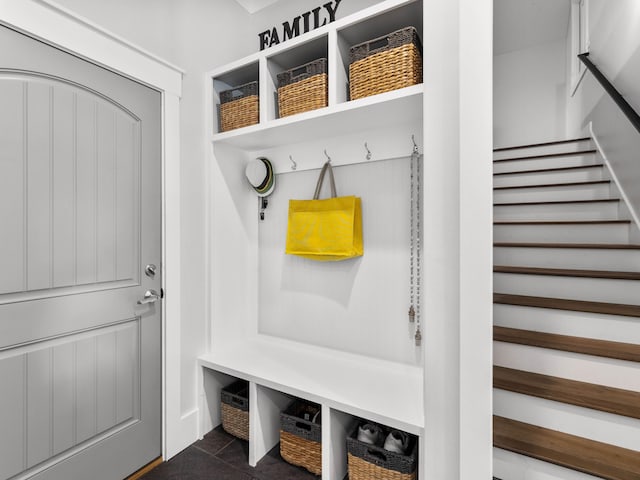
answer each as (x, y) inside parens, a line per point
(146, 469)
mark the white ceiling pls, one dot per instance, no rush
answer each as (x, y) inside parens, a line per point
(253, 6)
(519, 24)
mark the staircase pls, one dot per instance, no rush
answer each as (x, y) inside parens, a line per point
(566, 317)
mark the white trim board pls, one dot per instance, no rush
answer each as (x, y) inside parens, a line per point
(358, 385)
(58, 27)
(633, 213)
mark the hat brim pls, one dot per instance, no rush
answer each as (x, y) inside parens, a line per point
(267, 187)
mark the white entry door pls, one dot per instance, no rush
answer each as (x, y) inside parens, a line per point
(80, 221)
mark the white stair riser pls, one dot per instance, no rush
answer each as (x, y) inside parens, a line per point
(566, 233)
(572, 366)
(540, 163)
(562, 211)
(578, 258)
(574, 288)
(598, 191)
(512, 466)
(549, 177)
(583, 422)
(613, 328)
(545, 150)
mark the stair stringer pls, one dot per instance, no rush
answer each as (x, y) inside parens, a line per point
(629, 211)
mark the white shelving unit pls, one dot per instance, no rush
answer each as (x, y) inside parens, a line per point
(347, 385)
(333, 42)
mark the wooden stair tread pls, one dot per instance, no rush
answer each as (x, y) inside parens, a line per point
(566, 343)
(559, 202)
(571, 305)
(554, 169)
(582, 394)
(547, 185)
(566, 272)
(543, 144)
(559, 222)
(604, 246)
(584, 455)
(547, 155)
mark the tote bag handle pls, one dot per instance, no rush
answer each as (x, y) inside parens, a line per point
(325, 167)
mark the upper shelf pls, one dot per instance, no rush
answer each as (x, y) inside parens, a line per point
(341, 115)
(398, 106)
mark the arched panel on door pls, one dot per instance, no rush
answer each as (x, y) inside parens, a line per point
(71, 159)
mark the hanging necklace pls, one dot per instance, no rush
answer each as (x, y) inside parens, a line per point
(415, 246)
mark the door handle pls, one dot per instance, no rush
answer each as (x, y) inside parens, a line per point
(150, 296)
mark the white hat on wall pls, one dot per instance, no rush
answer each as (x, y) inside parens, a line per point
(259, 173)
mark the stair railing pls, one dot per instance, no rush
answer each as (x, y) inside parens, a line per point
(627, 109)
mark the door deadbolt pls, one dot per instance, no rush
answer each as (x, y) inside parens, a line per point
(150, 270)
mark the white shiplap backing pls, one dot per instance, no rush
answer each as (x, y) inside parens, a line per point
(358, 305)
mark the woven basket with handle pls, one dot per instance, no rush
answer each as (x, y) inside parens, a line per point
(234, 406)
(303, 88)
(300, 436)
(239, 107)
(385, 63)
(373, 462)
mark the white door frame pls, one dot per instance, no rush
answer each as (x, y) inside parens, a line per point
(59, 27)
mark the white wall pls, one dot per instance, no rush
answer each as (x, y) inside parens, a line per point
(614, 36)
(285, 10)
(530, 95)
(359, 305)
(457, 121)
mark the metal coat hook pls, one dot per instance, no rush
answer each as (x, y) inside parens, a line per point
(415, 145)
(294, 164)
(327, 155)
(368, 151)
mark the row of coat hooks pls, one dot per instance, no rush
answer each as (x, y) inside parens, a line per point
(294, 165)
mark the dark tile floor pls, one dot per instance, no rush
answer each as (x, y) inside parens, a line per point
(220, 456)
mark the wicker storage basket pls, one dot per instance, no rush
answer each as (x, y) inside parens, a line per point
(300, 436)
(234, 403)
(239, 107)
(303, 88)
(385, 63)
(372, 462)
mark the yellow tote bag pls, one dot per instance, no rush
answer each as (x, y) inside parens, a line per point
(328, 229)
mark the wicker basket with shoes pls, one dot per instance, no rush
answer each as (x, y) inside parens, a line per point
(301, 435)
(375, 452)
